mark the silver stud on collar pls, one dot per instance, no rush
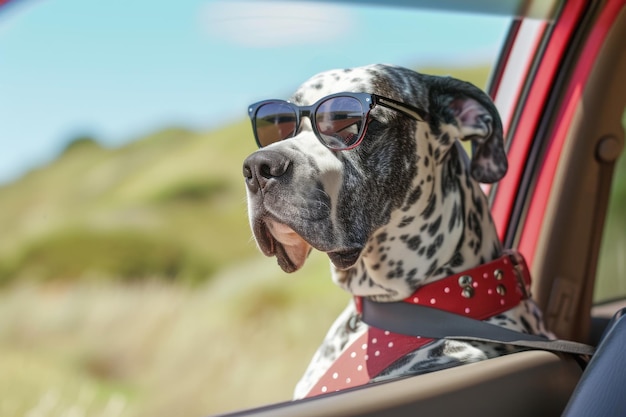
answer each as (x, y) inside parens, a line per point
(501, 289)
(498, 274)
(465, 282)
(468, 292)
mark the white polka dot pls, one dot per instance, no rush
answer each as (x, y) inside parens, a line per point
(364, 346)
(386, 332)
(490, 291)
(348, 380)
(390, 344)
(359, 368)
(335, 375)
(485, 275)
(353, 355)
(502, 302)
(419, 337)
(475, 284)
(367, 357)
(467, 310)
(416, 300)
(377, 353)
(446, 290)
(324, 388)
(505, 261)
(433, 301)
(374, 340)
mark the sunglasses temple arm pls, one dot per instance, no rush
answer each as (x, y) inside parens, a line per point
(411, 111)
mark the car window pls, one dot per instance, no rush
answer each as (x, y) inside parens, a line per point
(610, 284)
(130, 284)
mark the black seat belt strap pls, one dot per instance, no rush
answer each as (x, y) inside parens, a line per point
(399, 317)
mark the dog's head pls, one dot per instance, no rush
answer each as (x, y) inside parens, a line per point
(303, 194)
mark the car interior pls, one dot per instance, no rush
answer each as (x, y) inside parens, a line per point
(564, 230)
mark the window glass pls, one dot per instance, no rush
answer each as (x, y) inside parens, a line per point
(611, 278)
(129, 281)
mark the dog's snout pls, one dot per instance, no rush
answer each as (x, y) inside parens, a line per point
(262, 167)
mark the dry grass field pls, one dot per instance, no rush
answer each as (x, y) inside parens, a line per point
(162, 349)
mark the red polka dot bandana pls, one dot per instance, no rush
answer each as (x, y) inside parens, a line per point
(479, 293)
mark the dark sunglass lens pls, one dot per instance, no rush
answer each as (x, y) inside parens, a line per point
(339, 121)
(275, 122)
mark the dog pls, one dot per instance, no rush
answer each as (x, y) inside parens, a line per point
(366, 165)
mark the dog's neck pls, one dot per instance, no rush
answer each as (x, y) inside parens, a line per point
(438, 231)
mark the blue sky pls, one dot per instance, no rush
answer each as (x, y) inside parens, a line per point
(118, 69)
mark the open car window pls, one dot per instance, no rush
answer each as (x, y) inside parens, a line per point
(130, 283)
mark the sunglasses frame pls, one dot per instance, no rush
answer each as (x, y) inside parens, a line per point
(367, 100)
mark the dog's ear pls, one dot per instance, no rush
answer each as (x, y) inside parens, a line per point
(478, 120)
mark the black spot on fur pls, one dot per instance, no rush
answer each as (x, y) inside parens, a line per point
(414, 243)
(413, 197)
(432, 248)
(434, 226)
(430, 207)
(475, 226)
(455, 217)
(457, 260)
(432, 268)
(445, 139)
(478, 205)
(526, 325)
(406, 221)
(381, 238)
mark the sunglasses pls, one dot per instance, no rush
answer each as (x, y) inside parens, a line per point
(339, 121)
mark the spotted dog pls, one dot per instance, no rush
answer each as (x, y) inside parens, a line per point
(402, 209)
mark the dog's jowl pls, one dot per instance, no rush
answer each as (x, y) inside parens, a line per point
(366, 165)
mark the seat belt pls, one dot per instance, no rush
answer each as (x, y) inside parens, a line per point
(399, 317)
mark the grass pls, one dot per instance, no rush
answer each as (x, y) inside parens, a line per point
(107, 255)
(161, 349)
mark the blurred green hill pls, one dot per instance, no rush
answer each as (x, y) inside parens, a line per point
(170, 205)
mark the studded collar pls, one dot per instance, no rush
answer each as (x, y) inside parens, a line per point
(480, 293)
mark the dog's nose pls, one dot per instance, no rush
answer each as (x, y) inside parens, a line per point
(262, 167)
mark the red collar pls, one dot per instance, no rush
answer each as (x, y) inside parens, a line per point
(482, 292)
